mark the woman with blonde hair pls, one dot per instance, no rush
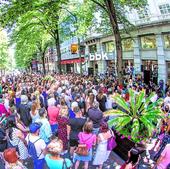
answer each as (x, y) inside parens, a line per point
(34, 112)
(63, 103)
(53, 159)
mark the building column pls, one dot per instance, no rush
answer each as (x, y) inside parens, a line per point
(86, 57)
(101, 63)
(137, 56)
(162, 74)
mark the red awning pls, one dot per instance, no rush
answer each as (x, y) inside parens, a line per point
(71, 61)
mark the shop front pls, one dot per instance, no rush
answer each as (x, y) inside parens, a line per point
(97, 63)
(128, 67)
(111, 68)
(70, 65)
(149, 68)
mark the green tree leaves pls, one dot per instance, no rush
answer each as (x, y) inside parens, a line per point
(32, 19)
(3, 50)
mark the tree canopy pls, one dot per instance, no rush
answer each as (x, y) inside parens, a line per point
(44, 14)
(30, 38)
(32, 21)
(3, 50)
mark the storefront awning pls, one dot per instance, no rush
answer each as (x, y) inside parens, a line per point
(71, 61)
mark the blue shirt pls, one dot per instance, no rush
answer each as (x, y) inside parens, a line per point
(57, 164)
(71, 114)
(18, 102)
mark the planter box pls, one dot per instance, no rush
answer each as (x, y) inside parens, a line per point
(123, 146)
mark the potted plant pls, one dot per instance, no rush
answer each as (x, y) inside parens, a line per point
(134, 121)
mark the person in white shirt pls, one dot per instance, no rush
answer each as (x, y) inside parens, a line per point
(51, 101)
(39, 144)
(6, 102)
(110, 101)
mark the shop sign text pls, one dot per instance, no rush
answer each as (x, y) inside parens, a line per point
(97, 56)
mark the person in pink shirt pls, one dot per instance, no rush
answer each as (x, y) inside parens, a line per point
(88, 138)
(164, 159)
(3, 110)
(53, 113)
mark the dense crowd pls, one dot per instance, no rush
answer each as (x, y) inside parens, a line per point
(43, 119)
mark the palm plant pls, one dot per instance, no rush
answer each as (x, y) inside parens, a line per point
(138, 118)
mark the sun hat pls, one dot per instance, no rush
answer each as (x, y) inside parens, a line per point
(34, 127)
(10, 155)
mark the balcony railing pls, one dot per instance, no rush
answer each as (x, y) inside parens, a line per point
(152, 19)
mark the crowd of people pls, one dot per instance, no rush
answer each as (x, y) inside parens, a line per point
(43, 119)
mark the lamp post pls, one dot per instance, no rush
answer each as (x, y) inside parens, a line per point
(78, 39)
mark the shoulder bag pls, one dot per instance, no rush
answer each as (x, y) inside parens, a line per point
(82, 148)
(111, 143)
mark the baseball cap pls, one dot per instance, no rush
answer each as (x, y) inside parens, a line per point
(34, 127)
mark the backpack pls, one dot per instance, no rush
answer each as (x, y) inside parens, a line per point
(65, 164)
(32, 150)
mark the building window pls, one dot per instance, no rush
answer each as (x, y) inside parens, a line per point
(167, 41)
(92, 49)
(127, 44)
(164, 9)
(109, 47)
(143, 13)
(148, 42)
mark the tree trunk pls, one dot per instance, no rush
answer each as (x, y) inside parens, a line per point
(57, 41)
(43, 63)
(113, 20)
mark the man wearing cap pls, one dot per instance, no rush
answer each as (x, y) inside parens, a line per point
(39, 144)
